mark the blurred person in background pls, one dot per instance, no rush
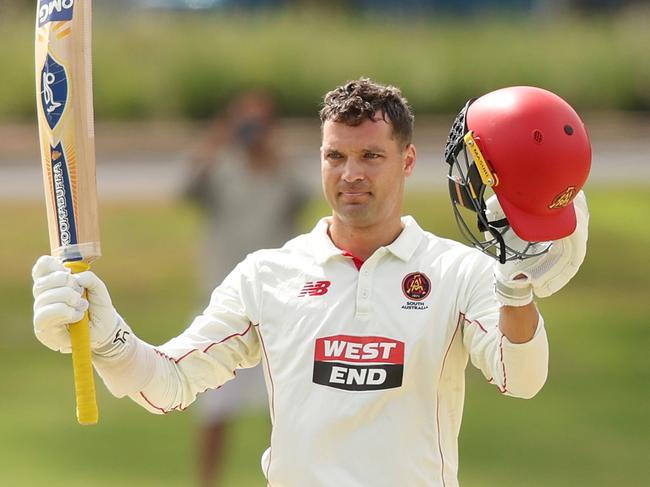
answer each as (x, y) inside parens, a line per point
(250, 200)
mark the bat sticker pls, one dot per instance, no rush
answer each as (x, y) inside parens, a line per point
(54, 11)
(63, 197)
(54, 91)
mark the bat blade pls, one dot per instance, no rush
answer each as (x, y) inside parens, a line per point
(64, 102)
(63, 74)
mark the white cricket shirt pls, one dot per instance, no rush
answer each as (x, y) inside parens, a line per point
(364, 367)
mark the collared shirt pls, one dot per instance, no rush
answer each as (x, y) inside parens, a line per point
(364, 367)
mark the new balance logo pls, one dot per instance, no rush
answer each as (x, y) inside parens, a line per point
(315, 288)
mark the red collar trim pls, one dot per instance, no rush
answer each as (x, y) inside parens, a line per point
(357, 261)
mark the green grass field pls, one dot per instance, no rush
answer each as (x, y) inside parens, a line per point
(588, 426)
(152, 65)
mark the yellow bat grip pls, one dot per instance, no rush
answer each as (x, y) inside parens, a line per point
(82, 366)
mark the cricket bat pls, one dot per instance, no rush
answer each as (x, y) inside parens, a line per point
(66, 132)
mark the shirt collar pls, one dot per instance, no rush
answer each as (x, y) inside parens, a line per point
(324, 248)
(403, 247)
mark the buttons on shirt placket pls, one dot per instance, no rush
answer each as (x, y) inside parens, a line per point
(364, 285)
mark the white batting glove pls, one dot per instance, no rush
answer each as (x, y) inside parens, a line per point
(518, 280)
(59, 301)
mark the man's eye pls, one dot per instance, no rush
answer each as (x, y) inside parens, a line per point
(333, 155)
(371, 155)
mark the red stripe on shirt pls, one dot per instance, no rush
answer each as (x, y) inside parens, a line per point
(483, 329)
(268, 367)
(164, 355)
(177, 360)
(442, 369)
(250, 326)
(152, 404)
(503, 366)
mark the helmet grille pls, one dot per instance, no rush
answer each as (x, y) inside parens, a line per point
(458, 130)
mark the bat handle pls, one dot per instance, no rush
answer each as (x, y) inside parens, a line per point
(82, 366)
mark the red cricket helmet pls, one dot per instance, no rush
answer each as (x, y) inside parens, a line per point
(532, 149)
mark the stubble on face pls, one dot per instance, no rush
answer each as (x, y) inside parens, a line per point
(363, 173)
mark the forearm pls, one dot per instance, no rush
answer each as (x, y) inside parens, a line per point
(170, 377)
(523, 367)
(517, 368)
(126, 364)
(131, 367)
(518, 323)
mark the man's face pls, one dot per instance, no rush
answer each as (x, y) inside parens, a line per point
(364, 169)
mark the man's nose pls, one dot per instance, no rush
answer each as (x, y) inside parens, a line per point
(353, 171)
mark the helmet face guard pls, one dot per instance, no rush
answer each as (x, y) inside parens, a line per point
(470, 180)
(517, 157)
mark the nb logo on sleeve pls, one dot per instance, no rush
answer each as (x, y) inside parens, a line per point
(314, 288)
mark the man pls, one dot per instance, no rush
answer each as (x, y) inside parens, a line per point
(364, 326)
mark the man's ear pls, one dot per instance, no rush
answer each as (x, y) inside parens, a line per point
(408, 158)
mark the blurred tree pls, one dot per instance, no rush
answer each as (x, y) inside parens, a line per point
(587, 6)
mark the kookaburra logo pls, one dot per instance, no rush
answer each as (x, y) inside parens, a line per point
(62, 194)
(61, 203)
(564, 198)
(54, 11)
(53, 90)
(120, 336)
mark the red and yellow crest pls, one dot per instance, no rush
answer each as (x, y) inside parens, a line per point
(416, 286)
(564, 198)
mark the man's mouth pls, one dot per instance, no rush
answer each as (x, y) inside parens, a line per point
(354, 193)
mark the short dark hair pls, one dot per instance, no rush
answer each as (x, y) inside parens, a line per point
(358, 100)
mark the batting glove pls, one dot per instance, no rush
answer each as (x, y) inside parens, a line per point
(517, 281)
(59, 301)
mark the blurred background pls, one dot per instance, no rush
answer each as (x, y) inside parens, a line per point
(165, 73)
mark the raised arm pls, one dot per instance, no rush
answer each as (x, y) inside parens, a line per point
(511, 349)
(518, 281)
(163, 378)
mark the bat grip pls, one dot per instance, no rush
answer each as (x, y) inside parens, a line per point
(82, 366)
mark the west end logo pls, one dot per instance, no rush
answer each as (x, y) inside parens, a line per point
(358, 363)
(54, 90)
(54, 11)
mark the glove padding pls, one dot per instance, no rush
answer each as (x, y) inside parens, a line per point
(517, 280)
(59, 301)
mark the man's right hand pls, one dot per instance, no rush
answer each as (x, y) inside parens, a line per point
(59, 301)
(519, 279)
